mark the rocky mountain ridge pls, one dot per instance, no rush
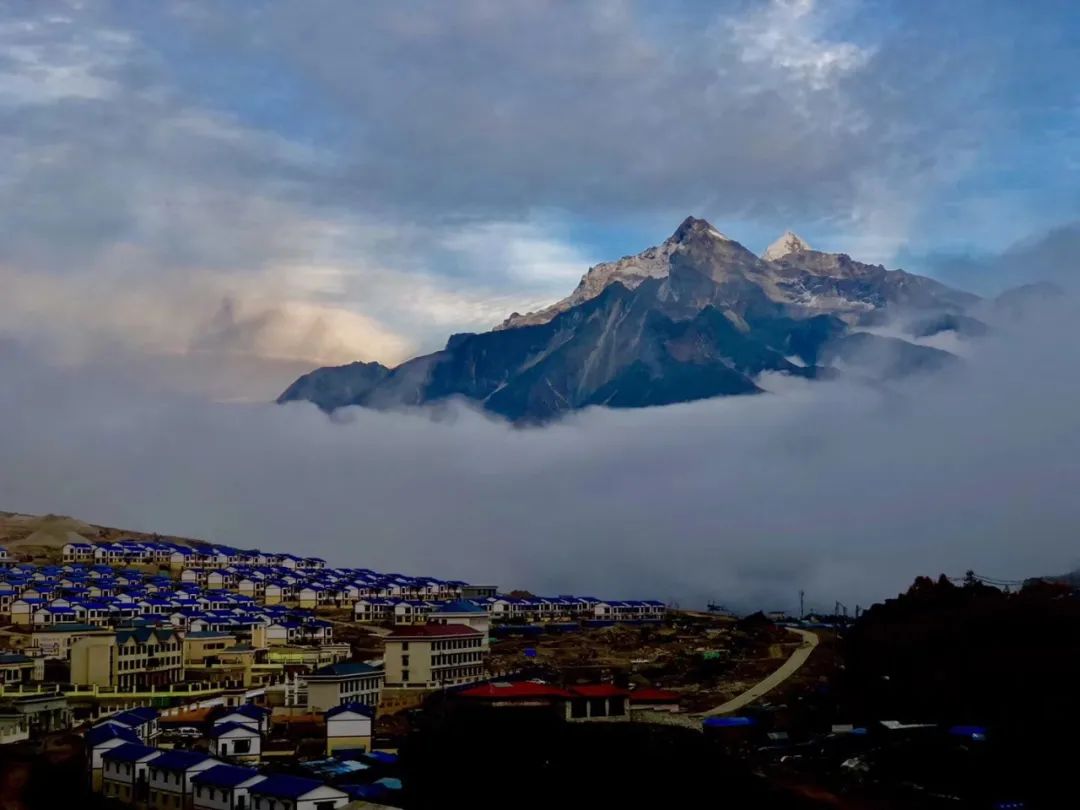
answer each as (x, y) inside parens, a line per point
(696, 316)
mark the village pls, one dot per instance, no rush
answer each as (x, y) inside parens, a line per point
(169, 673)
(211, 677)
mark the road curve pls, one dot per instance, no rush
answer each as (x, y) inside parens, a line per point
(781, 674)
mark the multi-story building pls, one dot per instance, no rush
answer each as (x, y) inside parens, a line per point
(431, 656)
(281, 792)
(349, 727)
(170, 778)
(223, 787)
(341, 683)
(124, 772)
(128, 659)
(16, 668)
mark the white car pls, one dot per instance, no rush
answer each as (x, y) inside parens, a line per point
(186, 731)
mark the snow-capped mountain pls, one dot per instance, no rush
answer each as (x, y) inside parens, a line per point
(697, 316)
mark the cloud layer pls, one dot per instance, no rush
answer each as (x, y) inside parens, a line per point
(840, 489)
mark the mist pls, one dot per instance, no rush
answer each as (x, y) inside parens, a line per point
(845, 489)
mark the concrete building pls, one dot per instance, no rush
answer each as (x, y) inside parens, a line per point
(240, 742)
(463, 612)
(57, 640)
(349, 727)
(432, 656)
(170, 776)
(342, 683)
(280, 792)
(19, 669)
(124, 772)
(100, 740)
(478, 591)
(597, 702)
(223, 787)
(129, 659)
(247, 714)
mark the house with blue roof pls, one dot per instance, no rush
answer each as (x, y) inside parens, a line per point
(281, 792)
(124, 772)
(101, 739)
(170, 776)
(237, 741)
(223, 787)
(349, 726)
(343, 683)
(143, 720)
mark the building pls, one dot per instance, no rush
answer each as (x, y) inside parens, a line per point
(143, 720)
(78, 552)
(100, 740)
(464, 612)
(134, 660)
(343, 683)
(479, 591)
(656, 700)
(56, 641)
(597, 702)
(18, 669)
(247, 714)
(349, 727)
(280, 792)
(432, 656)
(124, 772)
(223, 787)
(241, 742)
(170, 778)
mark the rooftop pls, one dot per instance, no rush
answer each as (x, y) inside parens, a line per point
(285, 787)
(224, 776)
(433, 631)
(130, 752)
(344, 669)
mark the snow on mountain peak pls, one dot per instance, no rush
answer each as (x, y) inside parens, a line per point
(692, 226)
(788, 243)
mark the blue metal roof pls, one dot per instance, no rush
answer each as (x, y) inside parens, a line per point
(220, 729)
(110, 731)
(358, 708)
(285, 787)
(179, 760)
(224, 776)
(129, 752)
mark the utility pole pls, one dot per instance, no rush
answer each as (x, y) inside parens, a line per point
(802, 612)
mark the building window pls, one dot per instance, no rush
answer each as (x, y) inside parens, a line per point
(578, 708)
(404, 674)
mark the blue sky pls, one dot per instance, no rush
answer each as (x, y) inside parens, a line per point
(278, 184)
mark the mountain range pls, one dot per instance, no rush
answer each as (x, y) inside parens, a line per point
(697, 316)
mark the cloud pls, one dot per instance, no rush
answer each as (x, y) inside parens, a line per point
(845, 491)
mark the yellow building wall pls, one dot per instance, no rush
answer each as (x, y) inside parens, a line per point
(339, 743)
(91, 661)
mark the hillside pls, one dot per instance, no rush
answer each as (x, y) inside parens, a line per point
(40, 538)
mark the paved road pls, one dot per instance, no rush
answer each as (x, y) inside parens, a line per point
(785, 671)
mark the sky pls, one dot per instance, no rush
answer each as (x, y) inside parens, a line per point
(201, 201)
(283, 185)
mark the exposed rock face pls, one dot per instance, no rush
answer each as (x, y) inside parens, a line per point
(697, 316)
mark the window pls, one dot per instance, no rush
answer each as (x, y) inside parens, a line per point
(577, 708)
(404, 674)
(618, 706)
(241, 746)
(404, 660)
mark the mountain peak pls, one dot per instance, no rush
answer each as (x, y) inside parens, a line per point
(692, 226)
(788, 243)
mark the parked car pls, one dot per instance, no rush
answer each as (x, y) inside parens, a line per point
(185, 731)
